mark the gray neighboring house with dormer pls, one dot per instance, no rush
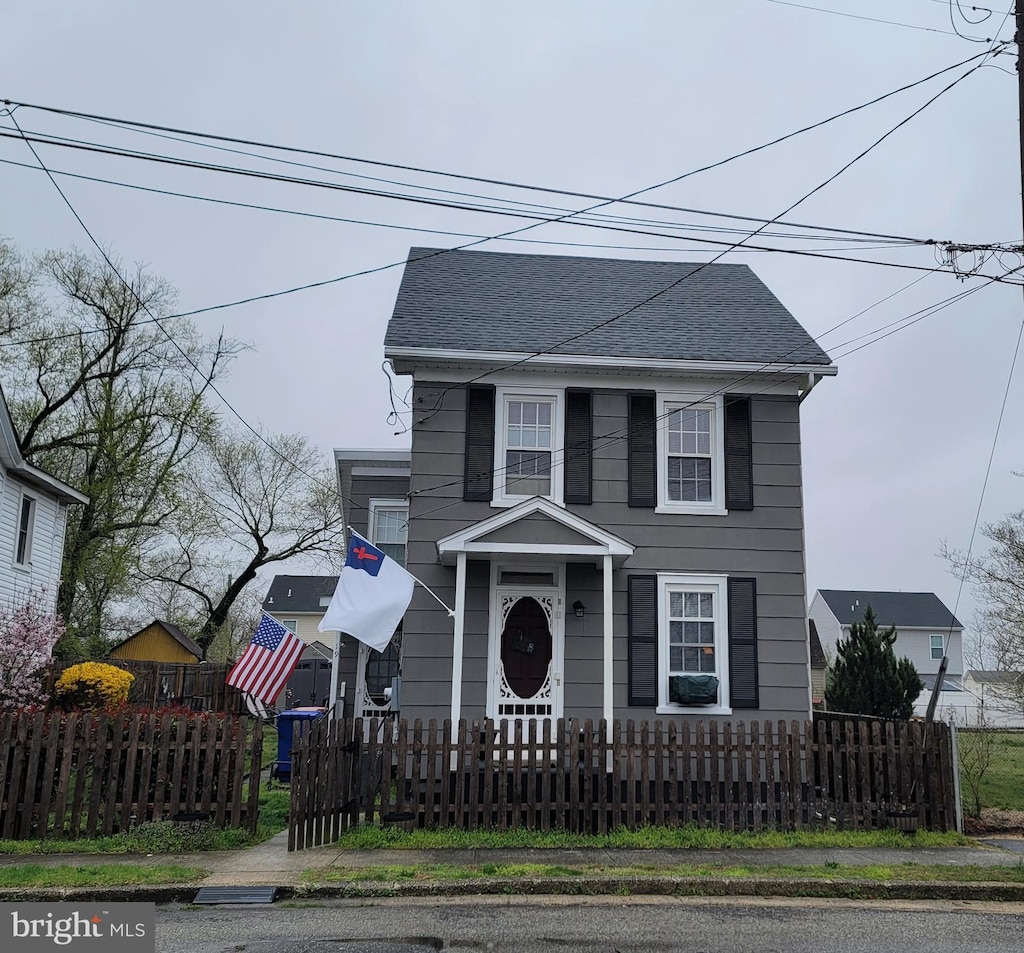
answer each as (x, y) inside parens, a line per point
(374, 487)
(605, 488)
(925, 631)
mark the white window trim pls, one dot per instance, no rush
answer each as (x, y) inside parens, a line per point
(26, 565)
(931, 648)
(719, 585)
(666, 401)
(501, 397)
(371, 519)
(291, 628)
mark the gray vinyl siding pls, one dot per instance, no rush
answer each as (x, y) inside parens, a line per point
(765, 542)
(366, 488)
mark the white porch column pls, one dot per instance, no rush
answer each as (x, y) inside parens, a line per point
(609, 697)
(457, 645)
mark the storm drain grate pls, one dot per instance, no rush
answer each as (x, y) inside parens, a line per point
(236, 895)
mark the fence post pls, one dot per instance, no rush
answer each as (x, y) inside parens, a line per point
(954, 746)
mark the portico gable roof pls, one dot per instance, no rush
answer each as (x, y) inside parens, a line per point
(585, 541)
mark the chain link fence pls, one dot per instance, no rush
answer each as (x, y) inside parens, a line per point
(992, 776)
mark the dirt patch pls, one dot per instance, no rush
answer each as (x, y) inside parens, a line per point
(995, 820)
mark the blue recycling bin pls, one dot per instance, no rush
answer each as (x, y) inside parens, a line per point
(290, 725)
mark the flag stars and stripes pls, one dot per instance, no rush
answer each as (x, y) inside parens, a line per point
(268, 662)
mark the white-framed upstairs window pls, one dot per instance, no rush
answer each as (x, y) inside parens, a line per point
(25, 532)
(389, 528)
(528, 445)
(291, 625)
(693, 642)
(937, 647)
(691, 458)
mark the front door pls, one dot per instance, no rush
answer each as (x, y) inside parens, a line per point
(526, 654)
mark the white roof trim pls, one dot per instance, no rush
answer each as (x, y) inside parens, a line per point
(467, 540)
(383, 456)
(448, 356)
(10, 454)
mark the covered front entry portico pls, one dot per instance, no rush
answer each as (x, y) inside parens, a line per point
(528, 547)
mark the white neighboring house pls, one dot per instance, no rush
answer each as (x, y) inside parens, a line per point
(993, 699)
(33, 520)
(925, 631)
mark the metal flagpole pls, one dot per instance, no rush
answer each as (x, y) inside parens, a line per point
(443, 604)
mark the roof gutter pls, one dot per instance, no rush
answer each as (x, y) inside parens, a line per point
(415, 355)
(812, 380)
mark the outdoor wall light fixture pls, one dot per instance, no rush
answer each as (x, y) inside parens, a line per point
(579, 608)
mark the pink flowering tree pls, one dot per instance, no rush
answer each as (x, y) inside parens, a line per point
(28, 633)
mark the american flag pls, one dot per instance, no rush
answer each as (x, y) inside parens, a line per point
(266, 664)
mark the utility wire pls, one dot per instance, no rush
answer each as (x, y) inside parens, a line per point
(626, 199)
(29, 143)
(984, 484)
(113, 268)
(519, 186)
(858, 16)
(14, 105)
(529, 211)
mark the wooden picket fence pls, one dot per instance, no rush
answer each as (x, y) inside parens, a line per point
(85, 775)
(197, 685)
(579, 776)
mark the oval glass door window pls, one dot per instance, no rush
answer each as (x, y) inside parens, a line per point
(526, 647)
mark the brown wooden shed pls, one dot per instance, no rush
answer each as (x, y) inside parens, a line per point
(157, 642)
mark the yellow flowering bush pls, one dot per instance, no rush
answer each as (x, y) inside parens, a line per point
(93, 685)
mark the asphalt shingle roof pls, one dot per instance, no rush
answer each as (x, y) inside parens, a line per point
(913, 609)
(493, 301)
(299, 593)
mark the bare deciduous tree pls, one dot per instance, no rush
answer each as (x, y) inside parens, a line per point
(252, 503)
(113, 402)
(997, 577)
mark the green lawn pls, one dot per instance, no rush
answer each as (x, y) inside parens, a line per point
(873, 873)
(1001, 784)
(372, 838)
(97, 875)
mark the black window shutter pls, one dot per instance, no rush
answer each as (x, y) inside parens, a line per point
(479, 474)
(579, 446)
(643, 640)
(739, 474)
(643, 467)
(743, 642)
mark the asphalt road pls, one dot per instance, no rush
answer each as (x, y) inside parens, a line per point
(595, 925)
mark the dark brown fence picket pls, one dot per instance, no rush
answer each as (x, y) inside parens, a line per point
(69, 775)
(591, 777)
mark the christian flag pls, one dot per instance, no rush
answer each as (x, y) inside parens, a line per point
(267, 663)
(372, 595)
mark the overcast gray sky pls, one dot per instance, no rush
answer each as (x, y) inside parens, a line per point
(601, 97)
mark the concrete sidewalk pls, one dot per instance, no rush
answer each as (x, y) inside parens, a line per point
(271, 864)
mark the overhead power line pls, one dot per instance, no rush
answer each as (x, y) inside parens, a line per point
(859, 16)
(530, 211)
(170, 337)
(629, 199)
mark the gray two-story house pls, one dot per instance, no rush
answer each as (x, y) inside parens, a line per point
(605, 489)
